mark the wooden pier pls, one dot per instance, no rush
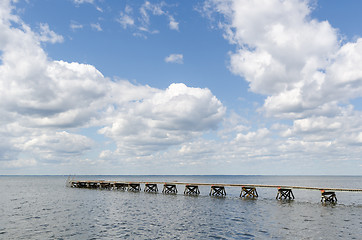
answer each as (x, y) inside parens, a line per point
(151, 188)
(191, 190)
(169, 188)
(328, 195)
(248, 192)
(285, 193)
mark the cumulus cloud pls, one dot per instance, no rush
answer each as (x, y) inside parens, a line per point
(304, 70)
(43, 103)
(175, 58)
(298, 62)
(58, 145)
(165, 118)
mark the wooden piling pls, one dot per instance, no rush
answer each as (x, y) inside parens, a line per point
(328, 197)
(92, 185)
(134, 187)
(82, 185)
(191, 190)
(151, 188)
(284, 193)
(169, 188)
(105, 185)
(248, 192)
(218, 191)
(120, 186)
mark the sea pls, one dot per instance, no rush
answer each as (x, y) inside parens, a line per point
(42, 207)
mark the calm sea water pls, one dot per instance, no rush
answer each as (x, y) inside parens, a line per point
(42, 207)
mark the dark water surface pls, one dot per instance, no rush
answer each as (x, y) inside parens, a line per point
(41, 207)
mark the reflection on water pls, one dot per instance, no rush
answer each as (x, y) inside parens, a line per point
(43, 208)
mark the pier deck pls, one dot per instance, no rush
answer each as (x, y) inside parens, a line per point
(284, 192)
(219, 184)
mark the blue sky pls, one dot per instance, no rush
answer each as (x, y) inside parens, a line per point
(180, 87)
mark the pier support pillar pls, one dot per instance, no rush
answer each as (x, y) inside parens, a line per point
(121, 186)
(328, 197)
(284, 193)
(82, 185)
(169, 189)
(92, 185)
(217, 191)
(249, 192)
(192, 190)
(104, 185)
(134, 187)
(112, 186)
(151, 188)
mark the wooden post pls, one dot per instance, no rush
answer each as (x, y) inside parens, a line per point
(284, 193)
(151, 188)
(134, 187)
(169, 189)
(104, 185)
(121, 186)
(92, 185)
(191, 190)
(249, 192)
(328, 197)
(217, 191)
(82, 184)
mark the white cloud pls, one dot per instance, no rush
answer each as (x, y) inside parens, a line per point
(58, 145)
(43, 103)
(75, 26)
(47, 35)
(173, 24)
(82, 1)
(38, 96)
(21, 163)
(164, 118)
(154, 9)
(125, 19)
(175, 58)
(141, 21)
(46, 105)
(307, 74)
(297, 62)
(79, 2)
(253, 137)
(96, 26)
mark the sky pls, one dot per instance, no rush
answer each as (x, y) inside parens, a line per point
(237, 87)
